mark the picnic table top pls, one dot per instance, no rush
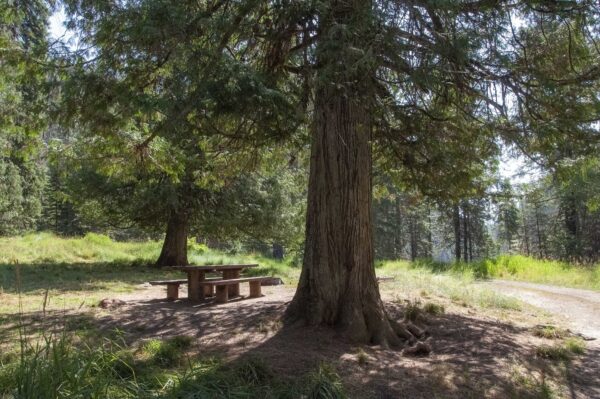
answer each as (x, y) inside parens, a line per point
(211, 268)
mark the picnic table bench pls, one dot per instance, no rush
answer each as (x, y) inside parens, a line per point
(200, 287)
(223, 286)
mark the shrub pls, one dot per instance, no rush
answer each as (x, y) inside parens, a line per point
(549, 332)
(412, 311)
(99, 239)
(434, 308)
(564, 351)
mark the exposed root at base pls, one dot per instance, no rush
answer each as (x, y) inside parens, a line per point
(414, 336)
(420, 348)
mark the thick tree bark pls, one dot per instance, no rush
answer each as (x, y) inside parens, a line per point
(174, 249)
(338, 286)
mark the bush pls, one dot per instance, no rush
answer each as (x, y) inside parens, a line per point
(434, 308)
(99, 239)
(196, 248)
(564, 351)
(549, 332)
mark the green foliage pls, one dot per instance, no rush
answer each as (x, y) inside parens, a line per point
(550, 332)
(59, 368)
(564, 351)
(412, 310)
(435, 309)
(324, 383)
(523, 268)
(412, 278)
(167, 354)
(65, 366)
(22, 119)
(195, 247)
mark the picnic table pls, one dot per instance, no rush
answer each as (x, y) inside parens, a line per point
(197, 274)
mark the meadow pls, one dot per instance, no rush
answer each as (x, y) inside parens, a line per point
(51, 340)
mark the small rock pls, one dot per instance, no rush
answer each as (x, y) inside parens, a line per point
(107, 303)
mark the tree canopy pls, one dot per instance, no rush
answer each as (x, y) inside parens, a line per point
(425, 91)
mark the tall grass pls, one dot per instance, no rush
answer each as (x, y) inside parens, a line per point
(510, 267)
(421, 279)
(42, 248)
(517, 267)
(59, 366)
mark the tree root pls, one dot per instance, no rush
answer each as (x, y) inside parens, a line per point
(413, 335)
(420, 348)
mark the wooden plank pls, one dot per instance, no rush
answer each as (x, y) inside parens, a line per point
(211, 268)
(166, 282)
(234, 281)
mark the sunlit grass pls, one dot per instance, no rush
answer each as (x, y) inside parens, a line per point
(517, 267)
(413, 280)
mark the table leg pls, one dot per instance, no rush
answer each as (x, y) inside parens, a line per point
(234, 289)
(209, 290)
(195, 293)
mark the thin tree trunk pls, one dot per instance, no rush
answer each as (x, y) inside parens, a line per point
(525, 229)
(569, 206)
(539, 232)
(429, 234)
(398, 245)
(470, 239)
(174, 249)
(457, 235)
(413, 238)
(337, 285)
(465, 235)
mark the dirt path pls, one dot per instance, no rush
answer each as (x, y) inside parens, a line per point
(580, 308)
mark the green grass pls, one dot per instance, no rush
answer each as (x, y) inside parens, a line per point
(563, 351)
(74, 273)
(514, 267)
(550, 332)
(77, 272)
(522, 268)
(415, 280)
(63, 366)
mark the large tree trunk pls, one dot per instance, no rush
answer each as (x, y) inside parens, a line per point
(338, 285)
(174, 250)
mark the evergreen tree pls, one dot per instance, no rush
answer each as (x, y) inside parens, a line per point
(22, 46)
(425, 89)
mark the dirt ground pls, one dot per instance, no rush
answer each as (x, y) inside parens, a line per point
(475, 355)
(579, 308)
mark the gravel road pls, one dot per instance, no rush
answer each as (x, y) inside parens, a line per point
(580, 308)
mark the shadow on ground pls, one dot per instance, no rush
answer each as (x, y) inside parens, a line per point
(472, 357)
(32, 277)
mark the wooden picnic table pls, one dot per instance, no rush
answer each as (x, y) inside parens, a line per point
(196, 274)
